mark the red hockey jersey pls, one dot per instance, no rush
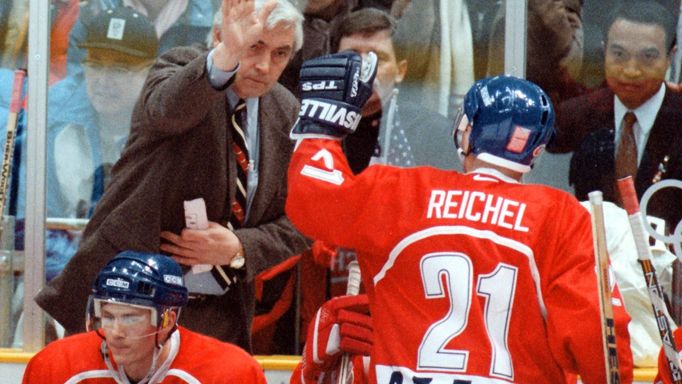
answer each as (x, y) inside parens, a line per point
(471, 277)
(199, 359)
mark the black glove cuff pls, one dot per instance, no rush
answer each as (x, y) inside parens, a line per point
(309, 129)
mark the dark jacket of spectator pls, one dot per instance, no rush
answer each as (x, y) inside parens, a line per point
(586, 125)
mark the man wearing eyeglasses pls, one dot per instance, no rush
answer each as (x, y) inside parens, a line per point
(630, 127)
(134, 337)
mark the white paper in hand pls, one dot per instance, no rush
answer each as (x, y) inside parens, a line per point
(196, 218)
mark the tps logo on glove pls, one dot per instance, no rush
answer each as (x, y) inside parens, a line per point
(319, 86)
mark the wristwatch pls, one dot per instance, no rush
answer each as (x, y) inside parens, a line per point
(238, 260)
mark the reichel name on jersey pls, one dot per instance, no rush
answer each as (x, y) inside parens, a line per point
(478, 207)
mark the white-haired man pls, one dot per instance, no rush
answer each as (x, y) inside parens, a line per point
(191, 137)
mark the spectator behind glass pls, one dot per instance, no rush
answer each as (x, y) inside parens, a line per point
(595, 17)
(554, 46)
(441, 52)
(120, 47)
(554, 62)
(177, 22)
(181, 147)
(391, 132)
(639, 42)
(88, 121)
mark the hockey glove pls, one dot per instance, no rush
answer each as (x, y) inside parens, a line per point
(341, 325)
(334, 88)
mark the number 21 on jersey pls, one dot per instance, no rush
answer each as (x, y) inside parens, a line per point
(450, 275)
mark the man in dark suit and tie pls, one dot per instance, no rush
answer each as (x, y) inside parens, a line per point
(631, 127)
(183, 146)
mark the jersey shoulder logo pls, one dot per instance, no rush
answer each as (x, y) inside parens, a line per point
(329, 175)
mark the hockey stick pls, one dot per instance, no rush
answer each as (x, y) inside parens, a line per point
(602, 261)
(631, 205)
(346, 368)
(14, 108)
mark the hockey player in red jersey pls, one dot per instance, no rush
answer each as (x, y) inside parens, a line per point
(134, 337)
(471, 278)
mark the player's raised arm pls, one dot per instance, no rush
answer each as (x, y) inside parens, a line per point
(333, 89)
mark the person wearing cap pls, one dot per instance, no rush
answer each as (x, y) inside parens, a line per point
(91, 112)
(89, 121)
(133, 335)
(182, 148)
(176, 23)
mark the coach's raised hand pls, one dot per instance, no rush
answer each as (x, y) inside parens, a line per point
(240, 29)
(334, 89)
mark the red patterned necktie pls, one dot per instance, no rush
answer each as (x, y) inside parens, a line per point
(626, 152)
(241, 152)
(224, 275)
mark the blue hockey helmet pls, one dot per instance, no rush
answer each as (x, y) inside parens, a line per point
(511, 119)
(140, 279)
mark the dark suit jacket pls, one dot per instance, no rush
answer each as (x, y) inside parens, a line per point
(585, 125)
(177, 151)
